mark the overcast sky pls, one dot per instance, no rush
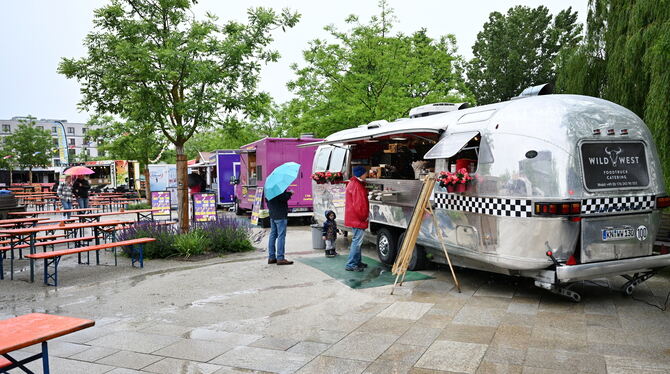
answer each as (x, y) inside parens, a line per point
(35, 34)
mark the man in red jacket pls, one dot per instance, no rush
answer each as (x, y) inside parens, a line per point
(356, 211)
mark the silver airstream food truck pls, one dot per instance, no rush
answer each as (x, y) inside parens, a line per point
(566, 188)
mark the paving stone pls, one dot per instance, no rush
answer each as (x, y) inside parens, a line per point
(66, 349)
(427, 371)
(69, 366)
(94, 354)
(616, 364)
(527, 308)
(134, 341)
(455, 356)
(230, 338)
(388, 367)
(556, 338)
(361, 346)
(309, 348)
(599, 305)
(512, 336)
(495, 368)
(468, 334)
(129, 359)
(231, 370)
(505, 355)
(434, 320)
(566, 361)
(479, 316)
(496, 289)
(489, 302)
(166, 329)
(403, 352)
(513, 319)
(124, 371)
(608, 335)
(194, 350)
(172, 365)
(383, 325)
(262, 359)
(270, 342)
(333, 365)
(326, 336)
(406, 310)
(601, 320)
(86, 335)
(534, 370)
(420, 335)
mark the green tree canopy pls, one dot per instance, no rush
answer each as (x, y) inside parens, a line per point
(518, 50)
(154, 62)
(29, 145)
(625, 59)
(127, 140)
(367, 73)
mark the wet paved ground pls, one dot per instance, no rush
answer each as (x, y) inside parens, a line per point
(237, 315)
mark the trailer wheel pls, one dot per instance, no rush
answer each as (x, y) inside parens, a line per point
(387, 246)
(419, 261)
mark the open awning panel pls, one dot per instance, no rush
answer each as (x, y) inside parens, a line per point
(371, 135)
(450, 145)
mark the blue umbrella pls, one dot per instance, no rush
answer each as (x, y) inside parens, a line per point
(280, 178)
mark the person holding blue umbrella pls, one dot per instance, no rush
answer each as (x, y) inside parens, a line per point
(277, 198)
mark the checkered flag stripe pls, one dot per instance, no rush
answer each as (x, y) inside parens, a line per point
(495, 206)
(604, 205)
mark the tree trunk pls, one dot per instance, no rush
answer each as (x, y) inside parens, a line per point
(182, 189)
(30, 175)
(11, 181)
(147, 183)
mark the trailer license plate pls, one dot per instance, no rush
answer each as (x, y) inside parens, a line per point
(622, 233)
(296, 210)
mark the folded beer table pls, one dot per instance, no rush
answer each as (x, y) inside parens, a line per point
(24, 331)
(142, 215)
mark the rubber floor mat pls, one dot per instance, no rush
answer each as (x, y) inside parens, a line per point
(375, 275)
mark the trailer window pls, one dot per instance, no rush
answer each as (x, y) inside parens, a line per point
(322, 157)
(251, 168)
(337, 158)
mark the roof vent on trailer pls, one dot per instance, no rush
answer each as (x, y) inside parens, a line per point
(375, 124)
(542, 89)
(436, 108)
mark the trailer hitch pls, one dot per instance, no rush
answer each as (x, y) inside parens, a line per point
(635, 280)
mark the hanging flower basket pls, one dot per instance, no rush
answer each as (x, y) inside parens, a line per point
(319, 177)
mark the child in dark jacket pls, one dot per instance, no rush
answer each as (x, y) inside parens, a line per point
(330, 233)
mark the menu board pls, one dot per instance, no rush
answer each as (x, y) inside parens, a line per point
(161, 199)
(614, 165)
(204, 207)
(256, 208)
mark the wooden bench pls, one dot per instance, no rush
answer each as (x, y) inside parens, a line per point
(39, 238)
(53, 258)
(44, 245)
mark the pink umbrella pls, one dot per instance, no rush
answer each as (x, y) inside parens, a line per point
(78, 170)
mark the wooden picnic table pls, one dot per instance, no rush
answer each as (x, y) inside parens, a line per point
(28, 236)
(21, 222)
(56, 211)
(142, 215)
(26, 330)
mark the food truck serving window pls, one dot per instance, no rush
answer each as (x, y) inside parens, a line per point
(322, 157)
(450, 145)
(614, 165)
(337, 158)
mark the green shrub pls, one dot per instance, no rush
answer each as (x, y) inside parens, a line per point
(165, 237)
(191, 243)
(139, 206)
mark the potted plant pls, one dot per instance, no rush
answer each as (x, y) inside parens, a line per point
(334, 177)
(454, 182)
(319, 177)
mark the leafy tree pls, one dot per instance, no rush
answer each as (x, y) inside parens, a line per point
(30, 146)
(367, 73)
(154, 62)
(6, 159)
(624, 59)
(518, 50)
(129, 140)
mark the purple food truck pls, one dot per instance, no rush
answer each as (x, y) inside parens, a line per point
(259, 159)
(227, 170)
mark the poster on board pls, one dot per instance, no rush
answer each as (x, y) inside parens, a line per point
(204, 207)
(256, 208)
(161, 200)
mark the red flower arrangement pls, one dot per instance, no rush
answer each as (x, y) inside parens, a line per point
(321, 177)
(456, 180)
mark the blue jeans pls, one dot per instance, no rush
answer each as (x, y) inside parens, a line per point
(83, 202)
(355, 250)
(278, 235)
(67, 204)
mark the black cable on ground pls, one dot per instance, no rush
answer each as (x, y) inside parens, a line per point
(662, 308)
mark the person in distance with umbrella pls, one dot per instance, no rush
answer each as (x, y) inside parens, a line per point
(278, 207)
